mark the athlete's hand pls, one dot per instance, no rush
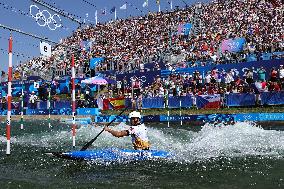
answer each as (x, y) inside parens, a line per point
(106, 128)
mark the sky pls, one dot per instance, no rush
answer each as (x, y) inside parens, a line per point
(16, 14)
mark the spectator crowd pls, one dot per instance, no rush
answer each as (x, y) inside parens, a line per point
(130, 44)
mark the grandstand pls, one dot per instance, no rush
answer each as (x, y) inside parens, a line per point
(227, 48)
(126, 44)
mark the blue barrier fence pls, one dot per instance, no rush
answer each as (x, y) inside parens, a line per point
(272, 98)
(82, 121)
(62, 111)
(233, 99)
(202, 118)
(240, 99)
(159, 118)
(88, 111)
(239, 68)
(184, 101)
(109, 118)
(260, 117)
(157, 102)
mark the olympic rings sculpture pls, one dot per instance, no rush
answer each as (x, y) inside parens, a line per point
(44, 18)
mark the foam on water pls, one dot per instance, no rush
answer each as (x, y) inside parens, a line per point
(238, 140)
(51, 138)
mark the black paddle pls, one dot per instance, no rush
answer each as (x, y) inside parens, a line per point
(86, 146)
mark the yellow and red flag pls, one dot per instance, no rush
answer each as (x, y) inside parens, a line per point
(117, 103)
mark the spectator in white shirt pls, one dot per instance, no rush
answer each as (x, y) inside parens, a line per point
(32, 100)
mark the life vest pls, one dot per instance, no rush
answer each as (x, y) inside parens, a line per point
(139, 137)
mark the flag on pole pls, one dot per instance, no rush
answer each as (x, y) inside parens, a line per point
(112, 10)
(96, 17)
(117, 103)
(158, 3)
(145, 4)
(45, 49)
(123, 7)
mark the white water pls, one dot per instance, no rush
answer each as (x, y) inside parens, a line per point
(238, 140)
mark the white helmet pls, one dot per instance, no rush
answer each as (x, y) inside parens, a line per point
(135, 114)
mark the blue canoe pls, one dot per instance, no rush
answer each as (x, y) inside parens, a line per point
(113, 154)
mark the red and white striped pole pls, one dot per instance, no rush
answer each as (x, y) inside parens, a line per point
(9, 99)
(73, 100)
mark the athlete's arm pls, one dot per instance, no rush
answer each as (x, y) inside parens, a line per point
(117, 133)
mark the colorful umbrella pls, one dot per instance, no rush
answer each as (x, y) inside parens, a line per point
(95, 80)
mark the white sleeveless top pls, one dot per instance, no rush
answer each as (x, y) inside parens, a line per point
(139, 136)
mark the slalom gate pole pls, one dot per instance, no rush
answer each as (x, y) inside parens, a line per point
(48, 105)
(167, 104)
(22, 103)
(9, 99)
(180, 110)
(73, 100)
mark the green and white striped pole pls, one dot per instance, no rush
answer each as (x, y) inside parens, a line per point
(22, 103)
(180, 109)
(167, 106)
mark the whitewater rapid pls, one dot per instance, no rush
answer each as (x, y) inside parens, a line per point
(238, 140)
